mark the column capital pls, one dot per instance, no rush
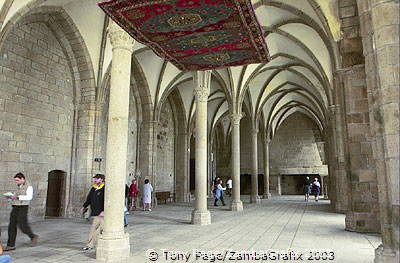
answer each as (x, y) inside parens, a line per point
(268, 141)
(254, 131)
(235, 118)
(334, 108)
(201, 81)
(119, 38)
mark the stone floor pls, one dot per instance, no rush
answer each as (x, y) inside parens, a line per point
(275, 225)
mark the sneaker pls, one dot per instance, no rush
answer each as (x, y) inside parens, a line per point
(149, 209)
(34, 240)
(7, 248)
(87, 248)
(126, 225)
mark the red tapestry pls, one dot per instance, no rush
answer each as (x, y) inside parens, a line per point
(194, 34)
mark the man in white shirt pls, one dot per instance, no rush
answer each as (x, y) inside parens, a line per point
(229, 186)
(19, 214)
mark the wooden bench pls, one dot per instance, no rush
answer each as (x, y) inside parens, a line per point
(165, 196)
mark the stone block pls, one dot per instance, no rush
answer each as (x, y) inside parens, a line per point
(348, 11)
(10, 156)
(367, 175)
(385, 14)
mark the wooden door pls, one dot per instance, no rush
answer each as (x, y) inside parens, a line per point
(54, 193)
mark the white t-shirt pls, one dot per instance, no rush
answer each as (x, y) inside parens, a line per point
(229, 183)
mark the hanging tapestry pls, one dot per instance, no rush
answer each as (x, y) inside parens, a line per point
(194, 34)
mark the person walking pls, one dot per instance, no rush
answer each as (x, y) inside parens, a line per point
(147, 190)
(229, 187)
(317, 188)
(307, 188)
(133, 193)
(20, 201)
(95, 199)
(219, 190)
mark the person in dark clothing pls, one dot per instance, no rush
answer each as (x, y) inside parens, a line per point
(307, 188)
(95, 200)
(20, 201)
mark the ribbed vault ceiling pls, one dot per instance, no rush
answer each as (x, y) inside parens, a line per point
(300, 37)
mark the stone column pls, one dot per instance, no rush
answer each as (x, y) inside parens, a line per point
(237, 204)
(267, 194)
(200, 215)
(113, 245)
(380, 32)
(254, 198)
(322, 185)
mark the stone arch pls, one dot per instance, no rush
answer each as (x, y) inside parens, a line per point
(68, 45)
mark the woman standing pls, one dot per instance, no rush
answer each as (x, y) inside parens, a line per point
(133, 192)
(147, 190)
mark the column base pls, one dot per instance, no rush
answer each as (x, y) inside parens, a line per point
(201, 217)
(267, 196)
(386, 255)
(237, 206)
(113, 250)
(255, 199)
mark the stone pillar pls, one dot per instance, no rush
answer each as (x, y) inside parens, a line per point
(254, 198)
(113, 245)
(267, 194)
(322, 186)
(380, 36)
(279, 186)
(200, 215)
(181, 164)
(340, 165)
(237, 204)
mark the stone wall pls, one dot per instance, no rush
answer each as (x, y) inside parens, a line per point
(294, 148)
(37, 110)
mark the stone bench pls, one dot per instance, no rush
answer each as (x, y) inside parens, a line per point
(165, 196)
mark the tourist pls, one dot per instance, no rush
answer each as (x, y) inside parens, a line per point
(20, 201)
(219, 190)
(3, 258)
(316, 188)
(95, 200)
(307, 188)
(133, 192)
(147, 189)
(229, 187)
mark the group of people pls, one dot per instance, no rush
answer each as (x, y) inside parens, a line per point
(311, 187)
(218, 190)
(132, 193)
(23, 194)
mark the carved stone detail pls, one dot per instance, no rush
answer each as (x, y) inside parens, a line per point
(235, 118)
(202, 85)
(119, 38)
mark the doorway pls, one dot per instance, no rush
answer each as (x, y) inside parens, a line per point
(56, 179)
(293, 184)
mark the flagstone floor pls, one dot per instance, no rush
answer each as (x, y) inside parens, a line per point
(271, 227)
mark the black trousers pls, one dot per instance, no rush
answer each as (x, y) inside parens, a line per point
(18, 217)
(222, 200)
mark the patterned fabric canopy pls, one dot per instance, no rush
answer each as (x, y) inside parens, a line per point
(194, 34)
